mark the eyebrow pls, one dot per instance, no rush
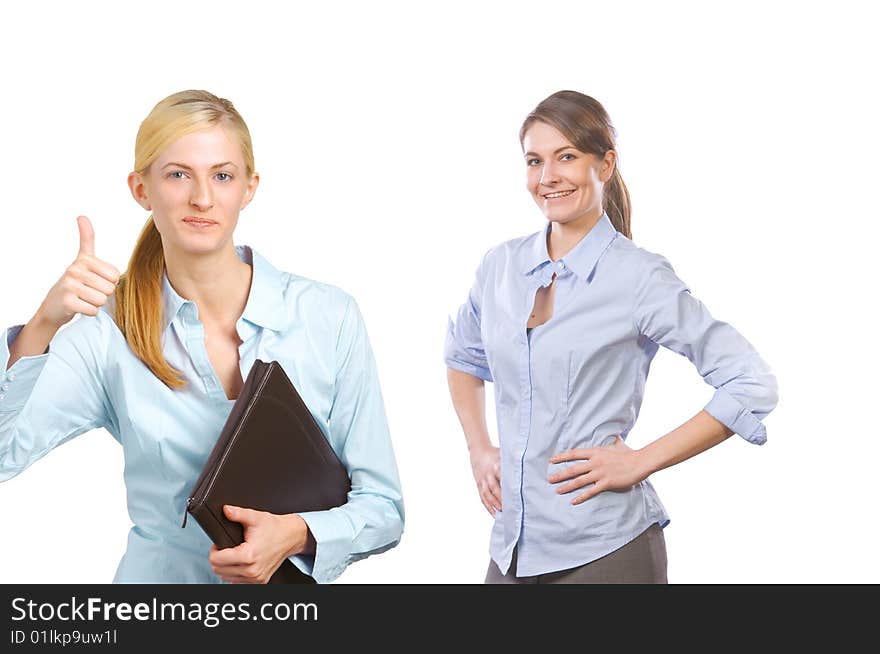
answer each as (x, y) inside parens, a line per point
(556, 151)
(180, 165)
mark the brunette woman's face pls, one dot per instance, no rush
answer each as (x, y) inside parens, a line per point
(565, 183)
(199, 176)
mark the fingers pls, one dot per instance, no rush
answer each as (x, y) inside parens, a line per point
(597, 488)
(495, 495)
(570, 472)
(237, 565)
(81, 306)
(487, 504)
(93, 295)
(581, 453)
(86, 236)
(578, 482)
(490, 494)
(240, 555)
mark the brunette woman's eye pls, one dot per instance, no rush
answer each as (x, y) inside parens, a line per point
(567, 154)
(532, 162)
(224, 177)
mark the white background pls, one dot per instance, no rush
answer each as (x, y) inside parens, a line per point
(386, 137)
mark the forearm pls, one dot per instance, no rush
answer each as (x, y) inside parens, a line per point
(469, 399)
(32, 340)
(299, 538)
(696, 435)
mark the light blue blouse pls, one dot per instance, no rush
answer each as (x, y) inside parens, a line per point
(578, 380)
(90, 379)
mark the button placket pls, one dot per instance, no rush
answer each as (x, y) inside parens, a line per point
(195, 343)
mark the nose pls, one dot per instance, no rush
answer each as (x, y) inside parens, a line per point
(201, 196)
(549, 174)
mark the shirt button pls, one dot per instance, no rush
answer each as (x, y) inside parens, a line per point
(560, 265)
(2, 397)
(5, 387)
(11, 376)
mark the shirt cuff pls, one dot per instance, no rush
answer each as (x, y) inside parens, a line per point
(470, 369)
(17, 383)
(726, 409)
(458, 358)
(333, 538)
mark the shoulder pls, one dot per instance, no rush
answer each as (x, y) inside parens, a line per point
(85, 337)
(315, 302)
(512, 253)
(634, 262)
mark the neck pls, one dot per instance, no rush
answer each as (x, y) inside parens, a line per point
(564, 236)
(218, 282)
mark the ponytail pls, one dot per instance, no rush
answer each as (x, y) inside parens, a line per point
(615, 202)
(139, 310)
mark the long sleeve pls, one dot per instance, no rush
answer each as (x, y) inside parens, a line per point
(464, 349)
(372, 519)
(667, 313)
(50, 398)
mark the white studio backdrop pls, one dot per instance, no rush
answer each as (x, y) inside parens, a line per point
(386, 139)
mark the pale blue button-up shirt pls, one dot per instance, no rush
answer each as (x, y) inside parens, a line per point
(578, 380)
(89, 378)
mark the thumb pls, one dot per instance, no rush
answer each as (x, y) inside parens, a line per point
(240, 514)
(86, 236)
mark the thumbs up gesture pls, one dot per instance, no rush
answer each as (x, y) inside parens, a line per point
(84, 286)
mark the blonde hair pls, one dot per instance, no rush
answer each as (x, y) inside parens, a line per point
(138, 297)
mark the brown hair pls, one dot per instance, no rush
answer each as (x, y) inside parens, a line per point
(138, 297)
(585, 123)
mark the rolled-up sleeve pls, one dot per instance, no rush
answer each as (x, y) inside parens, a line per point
(666, 312)
(464, 349)
(372, 519)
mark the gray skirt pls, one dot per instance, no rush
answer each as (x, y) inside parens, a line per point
(640, 561)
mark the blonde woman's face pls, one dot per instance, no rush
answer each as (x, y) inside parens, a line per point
(564, 182)
(196, 189)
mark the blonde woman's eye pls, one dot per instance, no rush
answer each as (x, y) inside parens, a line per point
(176, 174)
(223, 177)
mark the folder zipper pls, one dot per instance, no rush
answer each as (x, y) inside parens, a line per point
(186, 511)
(204, 485)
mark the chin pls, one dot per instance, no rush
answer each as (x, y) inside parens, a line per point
(560, 218)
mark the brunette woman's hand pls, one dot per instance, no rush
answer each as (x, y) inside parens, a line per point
(609, 468)
(269, 538)
(486, 466)
(84, 286)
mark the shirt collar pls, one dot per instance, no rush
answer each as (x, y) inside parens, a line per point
(583, 257)
(265, 300)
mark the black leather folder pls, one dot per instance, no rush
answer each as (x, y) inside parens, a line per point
(270, 456)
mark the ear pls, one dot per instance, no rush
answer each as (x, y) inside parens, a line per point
(606, 169)
(139, 190)
(250, 190)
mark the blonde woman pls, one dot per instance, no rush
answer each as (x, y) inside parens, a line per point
(160, 353)
(565, 322)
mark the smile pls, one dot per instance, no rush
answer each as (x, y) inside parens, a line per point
(558, 194)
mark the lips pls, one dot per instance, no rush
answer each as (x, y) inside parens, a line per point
(198, 221)
(558, 194)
